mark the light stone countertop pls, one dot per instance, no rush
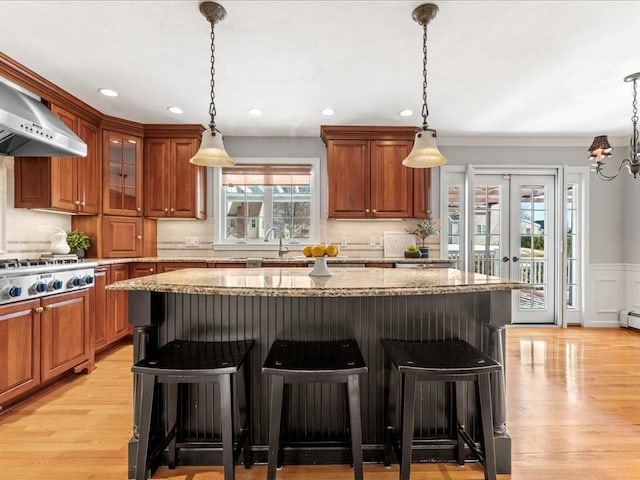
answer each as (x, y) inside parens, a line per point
(296, 282)
(296, 259)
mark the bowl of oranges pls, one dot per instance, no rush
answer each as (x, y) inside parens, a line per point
(320, 253)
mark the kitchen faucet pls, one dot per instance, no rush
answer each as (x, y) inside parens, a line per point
(281, 250)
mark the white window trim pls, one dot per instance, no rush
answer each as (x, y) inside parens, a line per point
(272, 244)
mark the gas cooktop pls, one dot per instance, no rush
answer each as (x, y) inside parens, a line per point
(33, 278)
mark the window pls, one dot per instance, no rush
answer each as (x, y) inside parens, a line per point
(254, 196)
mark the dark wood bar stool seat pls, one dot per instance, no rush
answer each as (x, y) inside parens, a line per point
(180, 362)
(442, 361)
(314, 362)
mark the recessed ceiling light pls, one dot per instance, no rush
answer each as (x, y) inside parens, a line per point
(328, 112)
(406, 113)
(117, 142)
(107, 92)
(256, 112)
(176, 110)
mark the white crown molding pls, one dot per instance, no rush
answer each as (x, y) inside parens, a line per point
(523, 141)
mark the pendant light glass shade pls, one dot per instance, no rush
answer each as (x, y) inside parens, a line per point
(212, 152)
(425, 153)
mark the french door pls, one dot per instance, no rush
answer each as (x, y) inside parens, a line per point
(513, 236)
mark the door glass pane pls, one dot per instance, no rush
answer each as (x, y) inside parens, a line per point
(572, 300)
(533, 258)
(486, 227)
(454, 232)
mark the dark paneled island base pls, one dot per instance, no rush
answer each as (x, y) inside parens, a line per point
(318, 411)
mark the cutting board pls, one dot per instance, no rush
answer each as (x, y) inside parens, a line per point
(395, 243)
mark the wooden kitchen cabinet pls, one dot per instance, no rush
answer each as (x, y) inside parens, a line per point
(99, 308)
(366, 178)
(118, 237)
(122, 174)
(173, 266)
(173, 187)
(118, 303)
(109, 307)
(65, 332)
(65, 184)
(121, 236)
(141, 269)
(19, 349)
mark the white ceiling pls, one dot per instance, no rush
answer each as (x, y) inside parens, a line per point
(497, 68)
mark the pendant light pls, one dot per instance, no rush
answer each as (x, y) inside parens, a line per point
(212, 152)
(600, 149)
(425, 153)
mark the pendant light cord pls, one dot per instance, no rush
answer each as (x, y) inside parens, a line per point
(635, 145)
(212, 105)
(425, 109)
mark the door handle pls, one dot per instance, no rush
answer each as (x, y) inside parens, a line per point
(505, 259)
(515, 259)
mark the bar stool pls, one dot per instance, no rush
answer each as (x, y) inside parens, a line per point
(443, 361)
(180, 362)
(314, 362)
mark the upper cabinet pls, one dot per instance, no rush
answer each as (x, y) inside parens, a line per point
(173, 187)
(122, 174)
(366, 175)
(66, 184)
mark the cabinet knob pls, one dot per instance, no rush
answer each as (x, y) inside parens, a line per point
(49, 307)
(166, 209)
(139, 237)
(151, 269)
(366, 210)
(77, 202)
(38, 309)
(139, 209)
(374, 210)
(83, 203)
(173, 210)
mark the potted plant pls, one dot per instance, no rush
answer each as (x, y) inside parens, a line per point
(424, 229)
(78, 242)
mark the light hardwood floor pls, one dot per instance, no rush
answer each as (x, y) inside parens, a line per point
(573, 413)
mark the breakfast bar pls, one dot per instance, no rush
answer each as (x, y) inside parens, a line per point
(366, 304)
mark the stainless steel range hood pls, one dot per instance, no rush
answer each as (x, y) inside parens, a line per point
(29, 129)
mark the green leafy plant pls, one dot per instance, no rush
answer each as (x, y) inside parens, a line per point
(78, 240)
(424, 229)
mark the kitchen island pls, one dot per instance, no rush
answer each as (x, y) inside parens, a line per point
(369, 305)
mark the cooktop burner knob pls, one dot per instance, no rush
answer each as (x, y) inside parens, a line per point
(55, 285)
(74, 282)
(12, 291)
(88, 279)
(39, 287)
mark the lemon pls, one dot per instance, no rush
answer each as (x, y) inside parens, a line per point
(412, 248)
(332, 250)
(318, 251)
(306, 251)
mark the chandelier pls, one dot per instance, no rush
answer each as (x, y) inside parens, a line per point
(212, 152)
(600, 149)
(425, 153)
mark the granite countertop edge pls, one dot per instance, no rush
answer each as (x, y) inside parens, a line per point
(132, 285)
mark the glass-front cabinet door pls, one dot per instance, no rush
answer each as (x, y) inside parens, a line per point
(122, 174)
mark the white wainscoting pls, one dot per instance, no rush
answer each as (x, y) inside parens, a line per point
(632, 288)
(607, 293)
